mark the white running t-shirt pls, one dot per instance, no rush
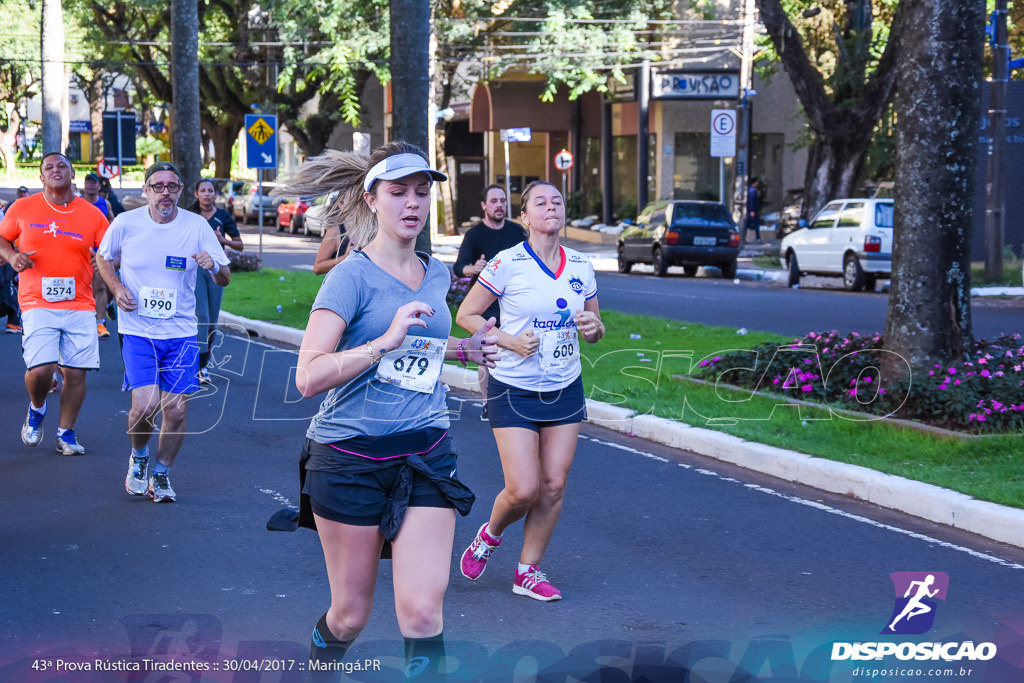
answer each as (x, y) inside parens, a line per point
(158, 269)
(532, 297)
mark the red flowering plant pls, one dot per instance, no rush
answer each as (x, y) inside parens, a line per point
(984, 394)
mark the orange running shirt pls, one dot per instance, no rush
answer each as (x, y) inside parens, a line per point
(63, 239)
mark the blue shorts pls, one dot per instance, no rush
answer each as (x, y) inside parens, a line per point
(509, 406)
(173, 364)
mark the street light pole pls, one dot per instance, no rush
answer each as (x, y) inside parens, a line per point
(744, 113)
(643, 136)
(995, 214)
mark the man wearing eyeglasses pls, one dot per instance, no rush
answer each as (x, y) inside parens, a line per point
(56, 233)
(160, 249)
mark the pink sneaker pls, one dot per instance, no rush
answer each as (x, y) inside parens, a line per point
(532, 583)
(474, 559)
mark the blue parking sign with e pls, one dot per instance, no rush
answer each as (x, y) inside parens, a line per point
(261, 140)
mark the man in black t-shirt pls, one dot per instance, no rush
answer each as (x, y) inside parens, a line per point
(481, 243)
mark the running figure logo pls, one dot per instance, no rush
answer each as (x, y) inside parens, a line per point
(917, 595)
(52, 229)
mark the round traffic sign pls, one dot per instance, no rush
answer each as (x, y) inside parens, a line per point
(723, 123)
(107, 170)
(563, 160)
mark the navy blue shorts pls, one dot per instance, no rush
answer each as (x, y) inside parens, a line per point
(509, 406)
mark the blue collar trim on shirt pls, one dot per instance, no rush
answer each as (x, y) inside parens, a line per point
(561, 264)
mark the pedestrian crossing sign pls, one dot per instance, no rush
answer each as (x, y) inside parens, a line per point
(261, 140)
(261, 131)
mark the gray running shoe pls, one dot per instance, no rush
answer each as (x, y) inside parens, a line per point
(160, 488)
(68, 445)
(135, 482)
(32, 430)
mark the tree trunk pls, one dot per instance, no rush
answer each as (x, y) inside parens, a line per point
(447, 199)
(223, 136)
(54, 80)
(186, 137)
(95, 95)
(206, 146)
(410, 80)
(938, 112)
(833, 166)
(842, 121)
(312, 132)
(444, 100)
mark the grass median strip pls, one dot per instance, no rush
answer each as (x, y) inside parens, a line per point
(635, 365)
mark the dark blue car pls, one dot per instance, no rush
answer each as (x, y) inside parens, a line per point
(681, 233)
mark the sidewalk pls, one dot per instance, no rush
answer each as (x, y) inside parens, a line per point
(933, 503)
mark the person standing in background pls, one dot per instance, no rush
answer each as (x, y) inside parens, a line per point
(208, 293)
(753, 210)
(334, 247)
(481, 243)
(91, 193)
(107, 192)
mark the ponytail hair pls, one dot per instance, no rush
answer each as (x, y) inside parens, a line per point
(343, 173)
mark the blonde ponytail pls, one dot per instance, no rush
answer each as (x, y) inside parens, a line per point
(344, 173)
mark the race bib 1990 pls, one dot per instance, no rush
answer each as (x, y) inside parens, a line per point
(558, 348)
(415, 365)
(157, 303)
(58, 289)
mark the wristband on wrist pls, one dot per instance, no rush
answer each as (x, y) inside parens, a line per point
(460, 351)
(373, 356)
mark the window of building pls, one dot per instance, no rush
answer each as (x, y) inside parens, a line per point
(696, 174)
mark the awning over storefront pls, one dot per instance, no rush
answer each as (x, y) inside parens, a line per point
(517, 104)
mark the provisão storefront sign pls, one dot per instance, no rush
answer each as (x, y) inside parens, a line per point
(695, 85)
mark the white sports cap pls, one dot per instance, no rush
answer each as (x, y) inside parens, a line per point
(399, 166)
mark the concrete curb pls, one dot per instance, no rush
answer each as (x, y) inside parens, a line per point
(927, 501)
(260, 328)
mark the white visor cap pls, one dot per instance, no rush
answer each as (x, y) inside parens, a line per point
(400, 166)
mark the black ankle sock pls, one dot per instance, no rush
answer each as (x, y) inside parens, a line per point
(324, 647)
(425, 659)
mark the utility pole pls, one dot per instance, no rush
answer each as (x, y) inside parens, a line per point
(995, 214)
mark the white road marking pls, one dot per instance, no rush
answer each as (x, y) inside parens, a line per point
(279, 497)
(818, 506)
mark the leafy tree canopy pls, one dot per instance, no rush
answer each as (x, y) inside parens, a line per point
(19, 50)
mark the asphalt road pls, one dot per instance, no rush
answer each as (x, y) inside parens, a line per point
(772, 307)
(820, 304)
(673, 568)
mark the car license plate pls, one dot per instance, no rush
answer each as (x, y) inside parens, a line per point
(704, 241)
